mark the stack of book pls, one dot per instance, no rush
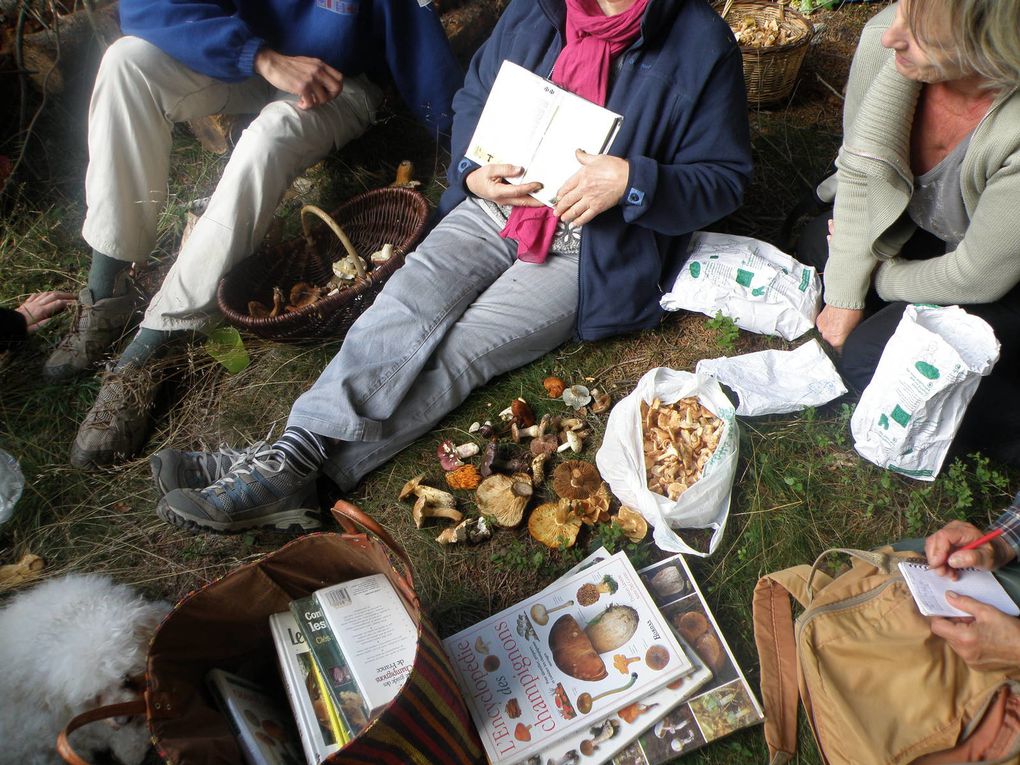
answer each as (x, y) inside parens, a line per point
(595, 668)
(344, 653)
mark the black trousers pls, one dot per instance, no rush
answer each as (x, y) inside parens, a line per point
(992, 422)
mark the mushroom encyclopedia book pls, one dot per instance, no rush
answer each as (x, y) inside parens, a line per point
(562, 660)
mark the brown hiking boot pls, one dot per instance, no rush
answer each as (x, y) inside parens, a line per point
(118, 423)
(96, 326)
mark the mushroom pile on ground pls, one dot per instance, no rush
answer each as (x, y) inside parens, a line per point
(508, 460)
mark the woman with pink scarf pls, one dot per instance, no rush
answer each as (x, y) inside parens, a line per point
(503, 280)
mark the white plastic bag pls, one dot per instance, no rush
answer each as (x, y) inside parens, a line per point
(760, 287)
(620, 459)
(775, 382)
(931, 366)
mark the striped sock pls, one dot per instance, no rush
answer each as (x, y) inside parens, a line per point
(305, 451)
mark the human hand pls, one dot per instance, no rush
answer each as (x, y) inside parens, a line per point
(39, 308)
(836, 324)
(939, 547)
(593, 189)
(489, 182)
(989, 641)
(315, 81)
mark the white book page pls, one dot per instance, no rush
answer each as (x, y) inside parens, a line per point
(577, 124)
(514, 119)
(929, 590)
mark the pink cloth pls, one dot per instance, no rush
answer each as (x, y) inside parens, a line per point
(592, 41)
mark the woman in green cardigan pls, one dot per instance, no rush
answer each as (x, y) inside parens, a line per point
(927, 194)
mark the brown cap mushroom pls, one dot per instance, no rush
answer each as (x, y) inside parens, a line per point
(554, 525)
(576, 479)
(554, 386)
(523, 415)
(634, 525)
(504, 497)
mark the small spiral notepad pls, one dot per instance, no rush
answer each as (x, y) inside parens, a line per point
(929, 590)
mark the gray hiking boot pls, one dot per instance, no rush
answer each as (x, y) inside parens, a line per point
(118, 422)
(259, 491)
(96, 326)
(178, 469)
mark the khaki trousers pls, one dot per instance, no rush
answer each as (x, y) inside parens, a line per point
(140, 93)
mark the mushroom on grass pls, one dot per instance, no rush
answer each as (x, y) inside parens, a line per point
(576, 396)
(504, 497)
(633, 524)
(554, 386)
(464, 477)
(430, 502)
(576, 479)
(554, 525)
(473, 531)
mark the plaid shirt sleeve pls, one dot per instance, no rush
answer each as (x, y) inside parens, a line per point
(1009, 521)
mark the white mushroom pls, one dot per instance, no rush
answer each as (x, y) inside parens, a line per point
(383, 255)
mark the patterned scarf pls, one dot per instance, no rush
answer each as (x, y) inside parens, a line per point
(592, 41)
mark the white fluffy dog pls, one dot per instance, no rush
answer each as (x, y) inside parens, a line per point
(68, 645)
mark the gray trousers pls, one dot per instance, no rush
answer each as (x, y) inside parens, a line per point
(461, 310)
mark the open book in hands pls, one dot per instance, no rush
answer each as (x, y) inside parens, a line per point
(532, 123)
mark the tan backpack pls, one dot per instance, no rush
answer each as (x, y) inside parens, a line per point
(878, 687)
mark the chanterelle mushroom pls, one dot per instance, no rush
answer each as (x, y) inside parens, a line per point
(504, 497)
(634, 525)
(576, 479)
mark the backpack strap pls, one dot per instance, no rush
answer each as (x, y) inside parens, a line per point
(776, 642)
(777, 652)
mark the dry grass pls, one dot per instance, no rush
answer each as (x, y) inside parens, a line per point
(800, 488)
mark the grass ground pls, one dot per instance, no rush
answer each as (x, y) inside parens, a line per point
(800, 486)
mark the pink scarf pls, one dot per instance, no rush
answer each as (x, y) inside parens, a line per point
(592, 41)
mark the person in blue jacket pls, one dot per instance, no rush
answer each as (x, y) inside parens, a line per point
(502, 280)
(309, 70)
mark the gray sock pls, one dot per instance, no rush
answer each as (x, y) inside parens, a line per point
(143, 347)
(103, 274)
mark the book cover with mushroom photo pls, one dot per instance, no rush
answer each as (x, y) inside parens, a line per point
(559, 661)
(721, 706)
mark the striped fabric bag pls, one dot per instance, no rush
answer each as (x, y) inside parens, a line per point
(226, 625)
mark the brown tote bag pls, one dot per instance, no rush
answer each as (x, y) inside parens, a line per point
(226, 625)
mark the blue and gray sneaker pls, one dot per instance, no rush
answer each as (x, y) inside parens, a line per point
(261, 490)
(178, 469)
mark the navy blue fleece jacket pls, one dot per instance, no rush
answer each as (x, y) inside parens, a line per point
(220, 38)
(680, 89)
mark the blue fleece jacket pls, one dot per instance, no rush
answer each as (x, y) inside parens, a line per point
(680, 89)
(220, 38)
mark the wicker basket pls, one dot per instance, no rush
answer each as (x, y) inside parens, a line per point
(392, 215)
(770, 73)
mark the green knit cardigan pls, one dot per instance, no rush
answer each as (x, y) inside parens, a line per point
(874, 182)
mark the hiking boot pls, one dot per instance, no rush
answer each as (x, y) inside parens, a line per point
(178, 469)
(96, 325)
(260, 491)
(118, 422)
